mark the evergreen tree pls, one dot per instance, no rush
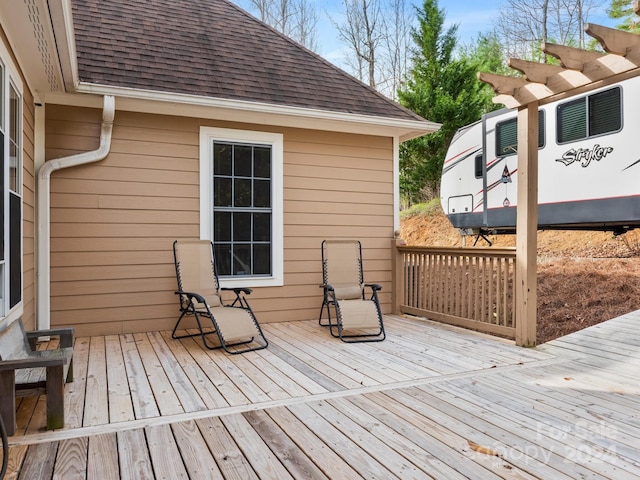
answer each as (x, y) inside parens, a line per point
(623, 9)
(486, 52)
(442, 89)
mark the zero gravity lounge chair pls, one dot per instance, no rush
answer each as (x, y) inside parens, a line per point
(358, 317)
(235, 325)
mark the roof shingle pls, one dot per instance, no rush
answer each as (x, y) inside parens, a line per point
(212, 48)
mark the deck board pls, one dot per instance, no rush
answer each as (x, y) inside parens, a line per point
(102, 457)
(229, 458)
(431, 401)
(194, 451)
(120, 406)
(144, 405)
(164, 453)
(133, 455)
(96, 410)
(75, 392)
(72, 459)
(327, 460)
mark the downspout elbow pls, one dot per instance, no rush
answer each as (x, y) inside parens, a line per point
(43, 285)
(106, 128)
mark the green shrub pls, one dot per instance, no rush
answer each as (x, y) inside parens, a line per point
(424, 209)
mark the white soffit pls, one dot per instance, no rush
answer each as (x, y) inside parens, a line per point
(28, 29)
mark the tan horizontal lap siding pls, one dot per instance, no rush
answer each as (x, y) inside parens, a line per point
(113, 222)
(336, 186)
(28, 211)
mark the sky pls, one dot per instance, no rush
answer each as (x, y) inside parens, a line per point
(473, 17)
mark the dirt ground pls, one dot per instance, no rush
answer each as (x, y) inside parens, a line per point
(584, 278)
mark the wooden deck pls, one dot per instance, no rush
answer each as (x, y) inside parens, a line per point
(429, 402)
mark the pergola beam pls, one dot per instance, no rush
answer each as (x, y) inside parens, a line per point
(570, 57)
(612, 40)
(534, 71)
(502, 84)
(579, 68)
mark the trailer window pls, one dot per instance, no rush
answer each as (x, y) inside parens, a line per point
(590, 116)
(507, 136)
(479, 162)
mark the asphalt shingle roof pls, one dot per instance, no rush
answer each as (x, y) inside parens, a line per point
(212, 48)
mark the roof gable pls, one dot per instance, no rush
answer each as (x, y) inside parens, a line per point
(212, 48)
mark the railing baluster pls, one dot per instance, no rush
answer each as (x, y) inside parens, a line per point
(471, 287)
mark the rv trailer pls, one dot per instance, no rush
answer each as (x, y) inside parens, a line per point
(588, 166)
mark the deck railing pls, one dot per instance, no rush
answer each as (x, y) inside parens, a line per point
(468, 287)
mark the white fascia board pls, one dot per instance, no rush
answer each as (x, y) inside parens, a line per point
(62, 23)
(165, 103)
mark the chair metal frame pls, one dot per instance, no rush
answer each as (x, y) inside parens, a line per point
(329, 299)
(188, 308)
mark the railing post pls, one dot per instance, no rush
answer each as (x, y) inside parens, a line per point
(397, 273)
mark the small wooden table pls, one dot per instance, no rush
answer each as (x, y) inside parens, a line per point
(25, 371)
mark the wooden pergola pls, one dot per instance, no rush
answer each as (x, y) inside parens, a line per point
(579, 71)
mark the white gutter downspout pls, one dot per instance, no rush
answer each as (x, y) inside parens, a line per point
(43, 279)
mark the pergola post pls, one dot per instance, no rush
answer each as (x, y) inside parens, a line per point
(579, 71)
(527, 226)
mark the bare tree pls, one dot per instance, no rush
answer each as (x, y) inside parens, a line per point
(524, 26)
(306, 22)
(297, 19)
(361, 29)
(396, 40)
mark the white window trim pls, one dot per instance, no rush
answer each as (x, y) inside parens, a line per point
(276, 141)
(12, 77)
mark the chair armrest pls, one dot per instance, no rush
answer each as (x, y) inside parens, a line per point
(65, 334)
(326, 286)
(240, 299)
(237, 290)
(374, 286)
(32, 362)
(199, 298)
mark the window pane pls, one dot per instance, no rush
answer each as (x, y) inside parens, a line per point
(241, 211)
(14, 118)
(242, 259)
(242, 192)
(15, 255)
(2, 195)
(222, 192)
(2, 302)
(572, 121)
(222, 252)
(262, 227)
(605, 112)
(262, 193)
(478, 165)
(2, 119)
(15, 168)
(242, 162)
(262, 259)
(222, 226)
(262, 162)
(222, 159)
(507, 138)
(241, 227)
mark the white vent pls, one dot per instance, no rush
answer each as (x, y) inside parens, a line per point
(44, 47)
